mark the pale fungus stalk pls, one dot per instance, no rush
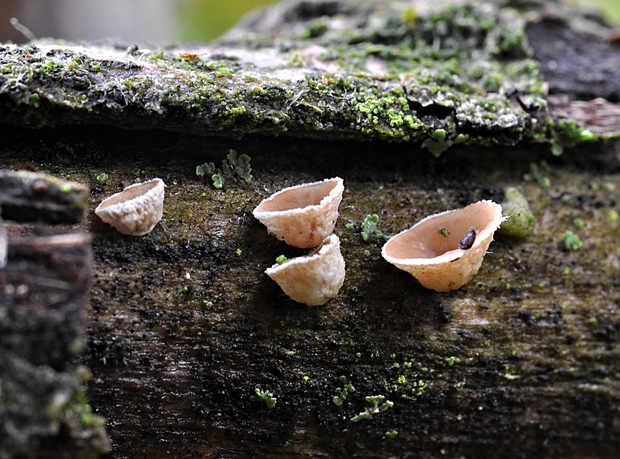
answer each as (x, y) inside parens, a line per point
(446, 260)
(4, 245)
(302, 215)
(136, 210)
(315, 278)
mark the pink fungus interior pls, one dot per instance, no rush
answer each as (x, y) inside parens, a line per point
(425, 239)
(298, 198)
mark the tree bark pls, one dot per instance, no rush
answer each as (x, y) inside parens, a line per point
(185, 325)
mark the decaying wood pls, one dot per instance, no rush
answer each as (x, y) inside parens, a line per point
(523, 362)
(27, 196)
(44, 286)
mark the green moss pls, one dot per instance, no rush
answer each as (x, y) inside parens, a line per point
(281, 259)
(538, 173)
(343, 392)
(264, 396)
(567, 134)
(233, 167)
(35, 100)
(579, 223)
(102, 178)
(465, 60)
(371, 230)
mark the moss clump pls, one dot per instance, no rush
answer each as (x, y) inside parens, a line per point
(376, 405)
(572, 241)
(371, 230)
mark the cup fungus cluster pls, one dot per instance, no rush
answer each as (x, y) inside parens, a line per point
(136, 210)
(304, 216)
(444, 251)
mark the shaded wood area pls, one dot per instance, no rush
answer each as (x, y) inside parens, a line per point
(44, 286)
(184, 326)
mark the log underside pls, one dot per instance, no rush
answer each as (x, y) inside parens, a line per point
(185, 325)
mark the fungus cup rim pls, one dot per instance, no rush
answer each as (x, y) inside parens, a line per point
(133, 191)
(321, 250)
(334, 191)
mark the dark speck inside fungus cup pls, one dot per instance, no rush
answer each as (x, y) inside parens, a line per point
(468, 239)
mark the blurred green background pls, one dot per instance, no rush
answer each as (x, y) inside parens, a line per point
(204, 20)
(147, 21)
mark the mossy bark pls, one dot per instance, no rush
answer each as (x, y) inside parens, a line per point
(184, 324)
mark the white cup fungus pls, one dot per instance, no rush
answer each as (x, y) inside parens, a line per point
(136, 210)
(315, 278)
(430, 249)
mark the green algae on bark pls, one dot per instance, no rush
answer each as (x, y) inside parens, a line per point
(438, 74)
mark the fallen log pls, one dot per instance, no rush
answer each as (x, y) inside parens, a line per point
(195, 352)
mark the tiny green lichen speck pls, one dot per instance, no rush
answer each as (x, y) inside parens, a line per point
(376, 405)
(281, 260)
(234, 166)
(572, 241)
(579, 223)
(370, 229)
(102, 178)
(264, 396)
(444, 232)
